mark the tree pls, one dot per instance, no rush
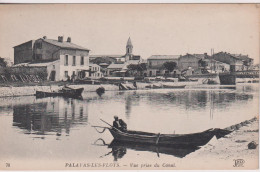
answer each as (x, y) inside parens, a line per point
(137, 67)
(170, 66)
(202, 63)
(3, 63)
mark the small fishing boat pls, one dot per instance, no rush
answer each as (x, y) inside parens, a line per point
(126, 87)
(64, 92)
(174, 86)
(153, 86)
(194, 139)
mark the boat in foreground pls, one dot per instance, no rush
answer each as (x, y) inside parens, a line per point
(194, 139)
(190, 140)
(64, 92)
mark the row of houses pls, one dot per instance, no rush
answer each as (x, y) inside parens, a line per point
(62, 59)
(199, 63)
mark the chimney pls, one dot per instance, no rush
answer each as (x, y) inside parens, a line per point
(69, 39)
(44, 37)
(60, 38)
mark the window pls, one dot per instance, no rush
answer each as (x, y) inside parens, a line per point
(53, 66)
(82, 60)
(38, 56)
(66, 62)
(74, 61)
(66, 74)
(39, 45)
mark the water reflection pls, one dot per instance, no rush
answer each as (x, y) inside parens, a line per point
(119, 149)
(51, 117)
(196, 99)
(178, 111)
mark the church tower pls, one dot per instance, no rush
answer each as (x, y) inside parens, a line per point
(129, 50)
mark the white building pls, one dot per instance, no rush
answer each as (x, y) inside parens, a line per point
(95, 71)
(72, 59)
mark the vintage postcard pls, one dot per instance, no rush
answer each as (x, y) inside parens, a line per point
(129, 86)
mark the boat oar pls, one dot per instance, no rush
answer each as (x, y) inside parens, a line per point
(109, 124)
(105, 122)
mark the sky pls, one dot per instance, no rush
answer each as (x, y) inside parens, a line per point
(155, 29)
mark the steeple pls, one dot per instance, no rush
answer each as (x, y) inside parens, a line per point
(129, 47)
(129, 43)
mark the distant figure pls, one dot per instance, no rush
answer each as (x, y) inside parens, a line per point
(134, 84)
(68, 78)
(73, 77)
(119, 124)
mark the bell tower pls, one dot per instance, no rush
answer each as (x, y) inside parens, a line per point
(129, 50)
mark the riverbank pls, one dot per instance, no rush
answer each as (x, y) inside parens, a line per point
(232, 147)
(28, 90)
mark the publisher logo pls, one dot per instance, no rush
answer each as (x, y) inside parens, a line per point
(239, 163)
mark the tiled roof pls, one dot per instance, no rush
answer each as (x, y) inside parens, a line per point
(116, 66)
(163, 57)
(241, 56)
(200, 56)
(40, 64)
(132, 62)
(113, 56)
(65, 44)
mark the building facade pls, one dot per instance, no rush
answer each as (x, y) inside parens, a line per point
(155, 65)
(95, 71)
(73, 59)
(247, 61)
(188, 61)
(235, 63)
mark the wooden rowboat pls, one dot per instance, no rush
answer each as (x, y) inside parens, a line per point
(64, 92)
(194, 139)
(140, 137)
(174, 86)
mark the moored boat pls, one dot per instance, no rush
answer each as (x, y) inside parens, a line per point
(194, 139)
(64, 92)
(174, 86)
(126, 87)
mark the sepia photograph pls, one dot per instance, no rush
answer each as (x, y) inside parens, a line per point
(129, 86)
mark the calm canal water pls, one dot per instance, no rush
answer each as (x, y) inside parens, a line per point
(57, 128)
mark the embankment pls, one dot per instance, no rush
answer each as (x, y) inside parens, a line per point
(231, 147)
(31, 90)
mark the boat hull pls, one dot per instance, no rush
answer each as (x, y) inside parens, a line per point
(64, 93)
(195, 139)
(174, 87)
